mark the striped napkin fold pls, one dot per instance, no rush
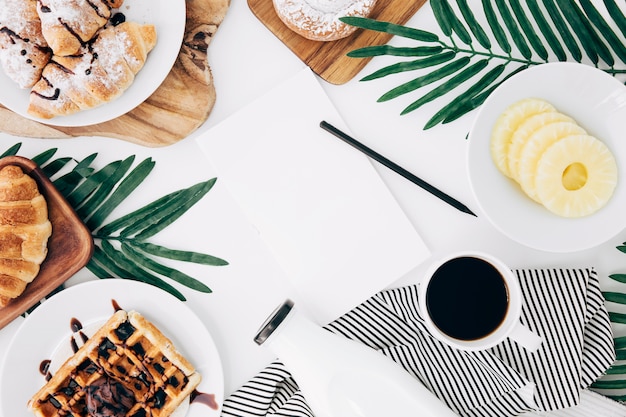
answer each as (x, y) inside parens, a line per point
(564, 306)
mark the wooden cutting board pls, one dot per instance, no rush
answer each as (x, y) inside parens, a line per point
(328, 59)
(177, 108)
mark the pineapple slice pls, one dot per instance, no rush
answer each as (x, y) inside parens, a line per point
(524, 131)
(536, 144)
(507, 123)
(576, 176)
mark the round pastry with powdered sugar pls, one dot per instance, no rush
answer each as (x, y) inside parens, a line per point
(318, 20)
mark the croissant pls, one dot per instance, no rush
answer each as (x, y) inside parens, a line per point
(24, 51)
(101, 72)
(69, 24)
(24, 232)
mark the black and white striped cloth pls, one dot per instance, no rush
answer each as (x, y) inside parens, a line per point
(564, 306)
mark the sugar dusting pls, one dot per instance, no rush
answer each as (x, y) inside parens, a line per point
(74, 13)
(101, 72)
(20, 35)
(321, 17)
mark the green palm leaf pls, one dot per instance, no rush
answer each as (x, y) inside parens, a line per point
(616, 14)
(472, 23)
(180, 277)
(546, 30)
(186, 256)
(411, 65)
(123, 190)
(528, 29)
(95, 194)
(44, 157)
(449, 85)
(563, 29)
(598, 21)
(496, 27)
(461, 100)
(526, 33)
(511, 25)
(68, 182)
(12, 151)
(444, 13)
(81, 193)
(378, 50)
(429, 78)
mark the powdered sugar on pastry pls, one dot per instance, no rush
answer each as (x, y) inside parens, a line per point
(101, 72)
(68, 24)
(319, 19)
(23, 50)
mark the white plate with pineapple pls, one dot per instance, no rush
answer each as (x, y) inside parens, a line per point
(547, 155)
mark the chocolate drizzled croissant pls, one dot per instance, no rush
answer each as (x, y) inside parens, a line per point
(99, 73)
(24, 51)
(69, 24)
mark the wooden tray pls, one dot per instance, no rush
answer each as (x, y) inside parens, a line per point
(328, 59)
(178, 107)
(69, 247)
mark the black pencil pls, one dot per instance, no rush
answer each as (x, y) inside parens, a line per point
(395, 167)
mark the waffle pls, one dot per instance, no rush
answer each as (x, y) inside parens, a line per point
(128, 368)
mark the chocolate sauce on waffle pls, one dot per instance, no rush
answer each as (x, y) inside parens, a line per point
(204, 398)
(121, 373)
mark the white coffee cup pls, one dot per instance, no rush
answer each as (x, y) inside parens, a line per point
(472, 301)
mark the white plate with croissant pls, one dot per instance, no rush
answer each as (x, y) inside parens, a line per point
(78, 63)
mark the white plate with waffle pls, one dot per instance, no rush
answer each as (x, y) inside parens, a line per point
(169, 19)
(597, 102)
(58, 327)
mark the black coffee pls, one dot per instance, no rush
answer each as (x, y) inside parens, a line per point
(467, 298)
